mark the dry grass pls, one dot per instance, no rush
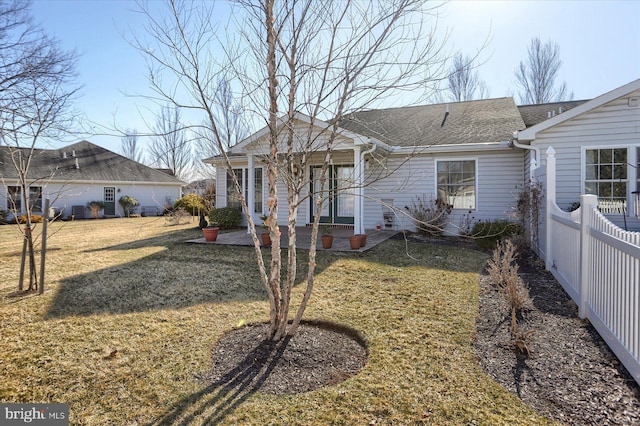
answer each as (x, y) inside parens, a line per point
(133, 286)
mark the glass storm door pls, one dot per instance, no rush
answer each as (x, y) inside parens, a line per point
(109, 201)
(339, 200)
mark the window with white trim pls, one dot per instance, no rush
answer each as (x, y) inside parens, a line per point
(232, 195)
(606, 176)
(14, 198)
(456, 183)
(233, 199)
(35, 199)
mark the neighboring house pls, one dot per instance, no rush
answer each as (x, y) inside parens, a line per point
(200, 187)
(74, 175)
(597, 146)
(464, 152)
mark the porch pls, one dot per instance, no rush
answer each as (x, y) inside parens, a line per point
(340, 239)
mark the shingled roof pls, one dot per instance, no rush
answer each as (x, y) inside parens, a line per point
(94, 163)
(481, 121)
(534, 114)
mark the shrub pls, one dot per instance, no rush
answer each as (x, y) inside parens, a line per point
(225, 217)
(95, 207)
(203, 222)
(503, 270)
(488, 232)
(429, 216)
(22, 219)
(176, 216)
(3, 216)
(194, 204)
(128, 204)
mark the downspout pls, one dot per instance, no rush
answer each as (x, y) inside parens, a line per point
(513, 141)
(361, 189)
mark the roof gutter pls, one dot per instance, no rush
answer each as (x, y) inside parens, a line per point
(514, 142)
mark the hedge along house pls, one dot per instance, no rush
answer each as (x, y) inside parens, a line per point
(597, 150)
(383, 160)
(83, 172)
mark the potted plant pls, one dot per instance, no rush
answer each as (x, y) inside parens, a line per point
(266, 238)
(327, 236)
(355, 241)
(363, 239)
(211, 232)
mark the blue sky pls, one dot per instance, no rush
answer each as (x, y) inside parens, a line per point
(599, 46)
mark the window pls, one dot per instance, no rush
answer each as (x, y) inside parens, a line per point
(35, 199)
(258, 191)
(232, 195)
(233, 200)
(457, 183)
(606, 177)
(14, 199)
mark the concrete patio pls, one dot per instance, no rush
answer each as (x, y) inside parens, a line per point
(340, 239)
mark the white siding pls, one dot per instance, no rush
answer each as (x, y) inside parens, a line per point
(64, 196)
(614, 124)
(499, 179)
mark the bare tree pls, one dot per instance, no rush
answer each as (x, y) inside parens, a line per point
(36, 78)
(130, 147)
(536, 78)
(233, 126)
(170, 148)
(464, 83)
(324, 59)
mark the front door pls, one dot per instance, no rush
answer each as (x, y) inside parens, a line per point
(339, 200)
(109, 201)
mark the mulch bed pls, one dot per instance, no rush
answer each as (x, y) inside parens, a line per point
(571, 375)
(319, 354)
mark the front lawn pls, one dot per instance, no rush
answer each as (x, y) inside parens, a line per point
(131, 314)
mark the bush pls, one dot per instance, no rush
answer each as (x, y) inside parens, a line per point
(193, 203)
(128, 204)
(95, 207)
(22, 219)
(503, 270)
(488, 232)
(225, 217)
(429, 216)
(3, 216)
(176, 216)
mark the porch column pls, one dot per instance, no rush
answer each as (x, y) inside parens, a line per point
(357, 191)
(251, 188)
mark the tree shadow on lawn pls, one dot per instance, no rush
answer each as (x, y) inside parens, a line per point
(229, 391)
(179, 276)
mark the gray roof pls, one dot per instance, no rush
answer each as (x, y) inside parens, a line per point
(481, 121)
(94, 164)
(534, 114)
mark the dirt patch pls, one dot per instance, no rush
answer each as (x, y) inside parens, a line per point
(319, 354)
(571, 375)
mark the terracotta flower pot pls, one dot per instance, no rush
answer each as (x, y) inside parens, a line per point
(210, 233)
(363, 237)
(327, 241)
(266, 239)
(355, 241)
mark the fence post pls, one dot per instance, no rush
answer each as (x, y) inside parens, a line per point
(551, 202)
(587, 204)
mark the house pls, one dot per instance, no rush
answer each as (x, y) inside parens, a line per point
(464, 152)
(77, 174)
(597, 146)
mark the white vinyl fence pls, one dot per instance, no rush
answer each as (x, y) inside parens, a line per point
(598, 265)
